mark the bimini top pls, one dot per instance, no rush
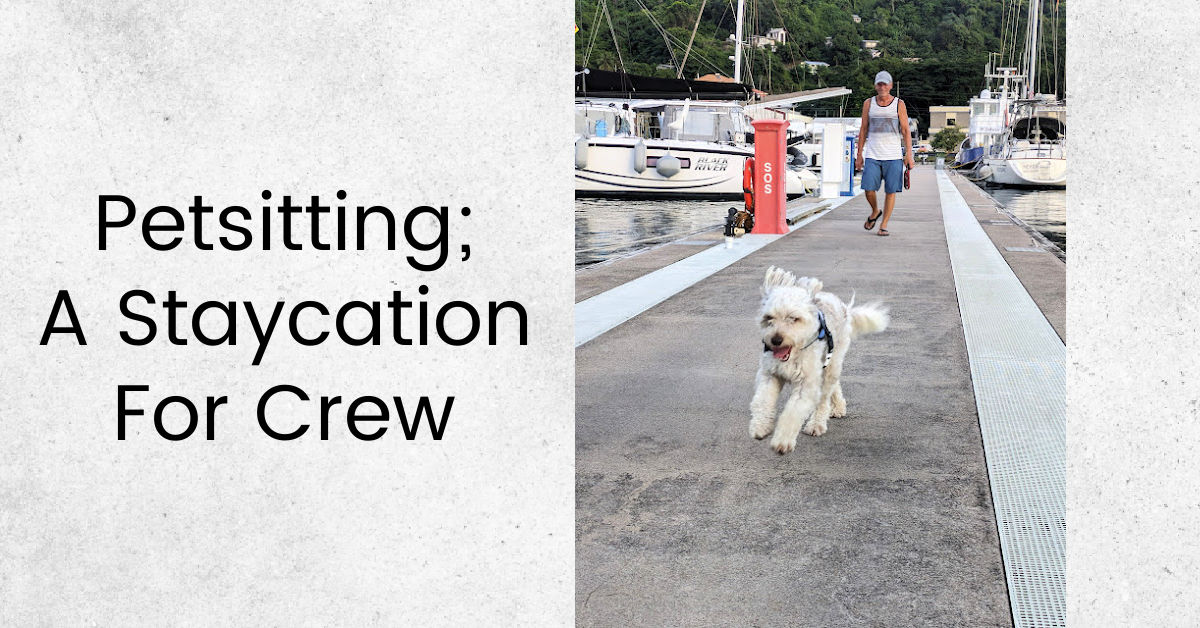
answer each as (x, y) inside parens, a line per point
(606, 84)
(1039, 128)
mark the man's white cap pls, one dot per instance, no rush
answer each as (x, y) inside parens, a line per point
(883, 77)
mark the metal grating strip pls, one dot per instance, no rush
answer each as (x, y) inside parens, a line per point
(1018, 370)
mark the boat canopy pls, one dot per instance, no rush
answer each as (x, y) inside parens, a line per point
(606, 84)
(1039, 128)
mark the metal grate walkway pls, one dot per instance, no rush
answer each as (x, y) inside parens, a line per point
(1018, 372)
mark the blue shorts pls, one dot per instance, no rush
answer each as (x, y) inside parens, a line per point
(890, 171)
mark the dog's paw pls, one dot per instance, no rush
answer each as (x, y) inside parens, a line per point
(815, 429)
(837, 403)
(783, 445)
(760, 429)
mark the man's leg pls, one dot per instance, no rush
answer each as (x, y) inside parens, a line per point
(889, 203)
(872, 177)
(892, 182)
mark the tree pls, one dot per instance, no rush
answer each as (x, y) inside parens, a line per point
(948, 139)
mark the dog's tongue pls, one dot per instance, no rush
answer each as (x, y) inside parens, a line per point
(781, 353)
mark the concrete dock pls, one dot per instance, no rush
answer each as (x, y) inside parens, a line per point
(889, 519)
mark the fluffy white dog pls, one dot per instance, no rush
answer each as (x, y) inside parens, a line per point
(805, 335)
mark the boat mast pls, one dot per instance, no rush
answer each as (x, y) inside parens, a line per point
(737, 43)
(1031, 45)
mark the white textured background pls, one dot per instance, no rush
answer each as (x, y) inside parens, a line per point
(401, 104)
(1133, 311)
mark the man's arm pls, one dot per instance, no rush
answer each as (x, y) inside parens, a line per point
(862, 134)
(908, 154)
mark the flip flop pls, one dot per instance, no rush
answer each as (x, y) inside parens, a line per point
(884, 232)
(870, 223)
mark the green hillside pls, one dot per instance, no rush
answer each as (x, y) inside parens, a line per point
(946, 44)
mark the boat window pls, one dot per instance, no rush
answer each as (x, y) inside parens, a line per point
(699, 125)
(587, 119)
(649, 124)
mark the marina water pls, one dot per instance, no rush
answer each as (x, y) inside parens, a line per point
(606, 229)
(1043, 210)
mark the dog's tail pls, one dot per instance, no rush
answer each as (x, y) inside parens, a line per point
(868, 319)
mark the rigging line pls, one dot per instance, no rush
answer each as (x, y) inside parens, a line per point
(711, 65)
(612, 30)
(1004, 16)
(1014, 25)
(1039, 52)
(595, 30)
(1010, 54)
(1003, 35)
(1000, 57)
(1056, 16)
(1010, 33)
(699, 56)
(724, 13)
(662, 31)
(688, 50)
(714, 67)
(748, 56)
(791, 49)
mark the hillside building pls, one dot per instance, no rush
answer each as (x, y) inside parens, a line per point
(771, 39)
(942, 116)
(814, 66)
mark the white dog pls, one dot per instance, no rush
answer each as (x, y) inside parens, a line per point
(805, 335)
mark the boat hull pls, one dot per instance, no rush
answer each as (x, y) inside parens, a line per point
(709, 171)
(968, 157)
(1028, 172)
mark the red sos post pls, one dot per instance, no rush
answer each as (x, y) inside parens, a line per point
(770, 176)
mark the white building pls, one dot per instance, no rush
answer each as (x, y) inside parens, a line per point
(942, 116)
(773, 37)
(814, 66)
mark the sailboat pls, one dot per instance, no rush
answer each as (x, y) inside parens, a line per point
(1033, 150)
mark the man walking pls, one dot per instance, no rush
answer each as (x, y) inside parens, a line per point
(887, 149)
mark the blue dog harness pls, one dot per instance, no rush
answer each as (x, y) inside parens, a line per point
(823, 333)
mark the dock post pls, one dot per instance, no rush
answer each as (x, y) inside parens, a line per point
(833, 157)
(770, 176)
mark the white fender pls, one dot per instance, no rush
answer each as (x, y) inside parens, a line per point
(639, 156)
(668, 165)
(581, 152)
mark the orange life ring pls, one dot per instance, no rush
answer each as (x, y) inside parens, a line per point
(748, 184)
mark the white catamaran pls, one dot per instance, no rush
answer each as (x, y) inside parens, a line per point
(666, 148)
(650, 137)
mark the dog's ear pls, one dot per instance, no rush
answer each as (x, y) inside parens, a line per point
(812, 284)
(777, 277)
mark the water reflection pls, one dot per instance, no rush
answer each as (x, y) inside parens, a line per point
(605, 228)
(1044, 210)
